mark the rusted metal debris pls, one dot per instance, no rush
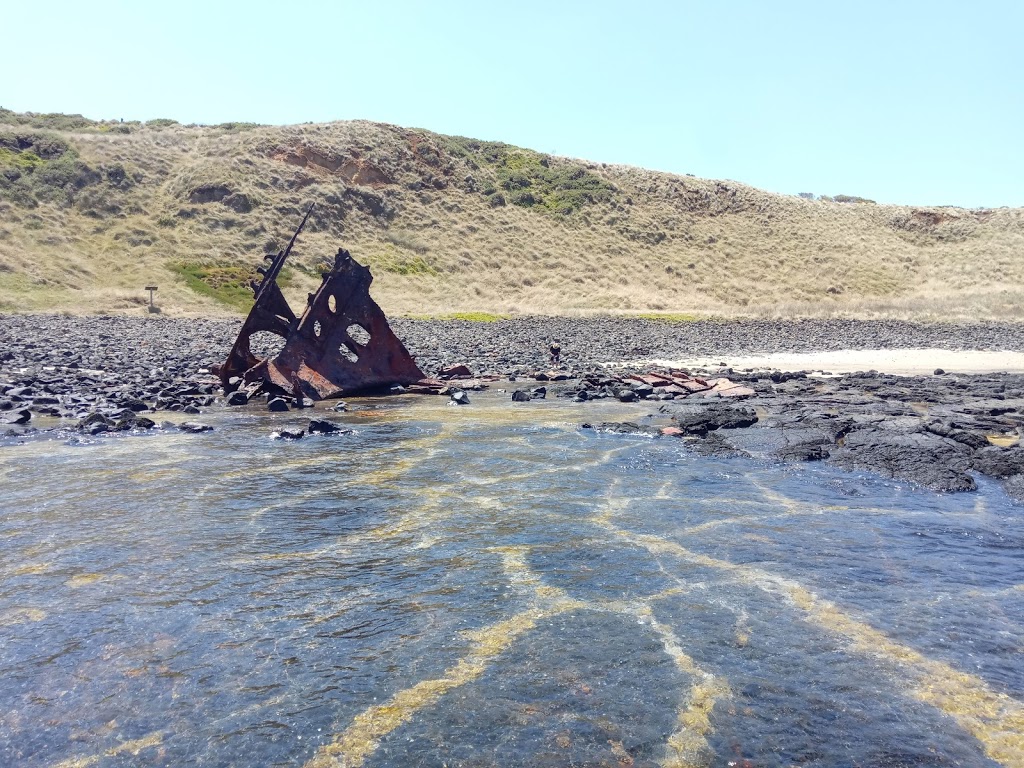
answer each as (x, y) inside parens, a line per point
(341, 344)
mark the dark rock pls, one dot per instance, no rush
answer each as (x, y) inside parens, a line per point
(18, 417)
(539, 393)
(627, 395)
(238, 397)
(939, 372)
(999, 462)
(340, 406)
(699, 420)
(809, 451)
(521, 396)
(323, 427)
(920, 457)
(194, 427)
(460, 397)
(626, 428)
(291, 434)
(716, 445)
(643, 390)
(946, 429)
(94, 423)
(277, 404)
(1014, 487)
(454, 370)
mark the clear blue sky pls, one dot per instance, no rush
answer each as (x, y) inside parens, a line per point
(905, 102)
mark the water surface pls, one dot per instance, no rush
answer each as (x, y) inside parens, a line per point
(491, 586)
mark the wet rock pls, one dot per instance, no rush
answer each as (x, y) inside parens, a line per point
(324, 427)
(627, 395)
(290, 434)
(238, 397)
(94, 424)
(624, 428)
(539, 393)
(1014, 487)
(999, 462)
(929, 460)
(194, 427)
(453, 371)
(716, 445)
(277, 404)
(521, 396)
(806, 451)
(341, 405)
(22, 416)
(643, 390)
(459, 397)
(699, 420)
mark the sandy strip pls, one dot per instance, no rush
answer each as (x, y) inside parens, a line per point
(906, 362)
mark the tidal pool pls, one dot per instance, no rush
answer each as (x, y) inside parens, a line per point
(492, 586)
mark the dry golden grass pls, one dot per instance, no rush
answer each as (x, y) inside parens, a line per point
(662, 244)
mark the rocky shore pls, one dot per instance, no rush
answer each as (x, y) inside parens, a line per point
(106, 373)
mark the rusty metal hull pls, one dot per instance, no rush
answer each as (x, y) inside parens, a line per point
(342, 343)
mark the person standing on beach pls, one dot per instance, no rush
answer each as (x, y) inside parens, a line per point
(556, 352)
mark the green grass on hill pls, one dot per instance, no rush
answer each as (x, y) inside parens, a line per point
(91, 211)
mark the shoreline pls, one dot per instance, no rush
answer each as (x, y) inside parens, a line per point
(902, 361)
(76, 378)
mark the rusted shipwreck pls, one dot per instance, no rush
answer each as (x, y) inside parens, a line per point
(340, 345)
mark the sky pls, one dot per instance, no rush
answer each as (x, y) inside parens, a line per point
(900, 102)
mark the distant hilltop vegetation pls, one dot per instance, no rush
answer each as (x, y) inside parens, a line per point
(93, 211)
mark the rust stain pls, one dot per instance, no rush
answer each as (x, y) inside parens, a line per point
(341, 344)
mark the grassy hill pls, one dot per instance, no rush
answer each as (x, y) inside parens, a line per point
(90, 212)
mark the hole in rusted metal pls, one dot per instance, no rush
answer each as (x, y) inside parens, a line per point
(340, 311)
(358, 334)
(265, 344)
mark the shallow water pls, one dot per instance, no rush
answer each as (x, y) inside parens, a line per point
(490, 585)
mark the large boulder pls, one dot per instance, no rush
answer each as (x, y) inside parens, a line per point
(699, 420)
(324, 427)
(999, 462)
(921, 457)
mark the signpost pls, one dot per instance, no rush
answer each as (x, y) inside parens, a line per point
(152, 290)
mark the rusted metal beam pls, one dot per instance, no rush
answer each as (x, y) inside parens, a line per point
(342, 343)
